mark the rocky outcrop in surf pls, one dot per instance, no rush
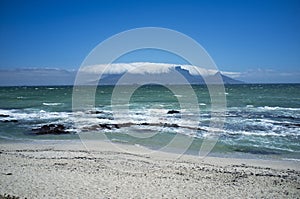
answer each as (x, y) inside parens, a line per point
(173, 112)
(131, 124)
(50, 129)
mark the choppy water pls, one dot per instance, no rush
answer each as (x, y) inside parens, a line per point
(260, 119)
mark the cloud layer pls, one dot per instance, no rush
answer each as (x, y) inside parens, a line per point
(143, 68)
(48, 76)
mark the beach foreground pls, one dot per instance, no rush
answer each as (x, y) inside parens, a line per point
(68, 170)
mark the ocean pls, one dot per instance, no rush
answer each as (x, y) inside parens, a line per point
(262, 120)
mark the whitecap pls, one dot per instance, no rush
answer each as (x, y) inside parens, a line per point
(261, 133)
(178, 95)
(34, 115)
(51, 104)
(5, 112)
(291, 159)
(278, 108)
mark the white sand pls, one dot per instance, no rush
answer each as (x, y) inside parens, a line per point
(68, 170)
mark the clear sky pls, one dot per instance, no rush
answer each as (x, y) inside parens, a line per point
(260, 39)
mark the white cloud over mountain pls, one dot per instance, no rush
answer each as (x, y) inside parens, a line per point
(144, 68)
(51, 76)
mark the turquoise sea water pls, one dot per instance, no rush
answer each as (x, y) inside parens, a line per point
(261, 119)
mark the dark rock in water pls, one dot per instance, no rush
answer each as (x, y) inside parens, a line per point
(4, 115)
(12, 120)
(51, 129)
(128, 124)
(173, 112)
(114, 126)
(95, 112)
(107, 126)
(91, 128)
(292, 125)
(171, 125)
(101, 126)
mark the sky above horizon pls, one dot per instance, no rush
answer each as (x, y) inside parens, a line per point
(257, 40)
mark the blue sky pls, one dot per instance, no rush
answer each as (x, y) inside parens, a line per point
(258, 39)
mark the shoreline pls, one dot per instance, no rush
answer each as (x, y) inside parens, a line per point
(67, 169)
(189, 152)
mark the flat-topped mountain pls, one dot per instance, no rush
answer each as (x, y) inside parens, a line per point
(169, 78)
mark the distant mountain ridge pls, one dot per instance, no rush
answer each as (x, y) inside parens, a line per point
(112, 79)
(51, 76)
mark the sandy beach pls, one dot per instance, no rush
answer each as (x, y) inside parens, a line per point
(68, 170)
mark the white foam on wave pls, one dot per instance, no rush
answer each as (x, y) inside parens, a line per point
(261, 133)
(291, 159)
(51, 104)
(33, 114)
(262, 108)
(7, 115)
(178, 96)
(278, 108)
(4, 112)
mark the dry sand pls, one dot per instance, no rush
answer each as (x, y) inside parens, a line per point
(68, 170)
